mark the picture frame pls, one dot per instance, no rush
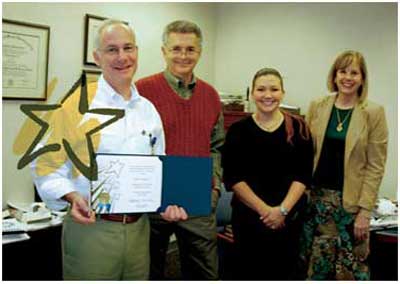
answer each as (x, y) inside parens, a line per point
(91, 75)
(92, 23)
(25, 60)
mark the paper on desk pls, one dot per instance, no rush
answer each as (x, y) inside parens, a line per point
(386, 207)
(388, 221)
(13, 225)
(12, 238)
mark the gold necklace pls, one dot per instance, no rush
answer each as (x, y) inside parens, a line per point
(339, 127)
(270, 127)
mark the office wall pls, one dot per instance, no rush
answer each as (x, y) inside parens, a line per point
(302, 40)
(299, 39)
(66, 21)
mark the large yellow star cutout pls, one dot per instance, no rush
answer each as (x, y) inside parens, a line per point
(68, 136)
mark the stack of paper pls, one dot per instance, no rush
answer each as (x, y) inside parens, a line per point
(384, 215)
(12, 225)
(12, 238)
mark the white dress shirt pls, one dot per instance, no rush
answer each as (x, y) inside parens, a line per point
(128, 135)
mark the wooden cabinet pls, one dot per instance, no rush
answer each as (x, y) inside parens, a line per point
(233, 116)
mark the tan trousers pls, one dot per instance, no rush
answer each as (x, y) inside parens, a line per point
(106, 250)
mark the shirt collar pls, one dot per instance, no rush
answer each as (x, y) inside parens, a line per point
(178, 83)
(109, 94)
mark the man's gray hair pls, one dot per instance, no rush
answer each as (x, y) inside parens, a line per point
(107, 23)
(183, 27)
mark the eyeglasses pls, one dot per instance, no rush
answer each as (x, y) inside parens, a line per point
(177, 50)
(114, 50)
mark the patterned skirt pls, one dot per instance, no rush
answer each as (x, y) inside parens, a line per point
(328, 250)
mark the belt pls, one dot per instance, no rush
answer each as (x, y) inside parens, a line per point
(123, 218)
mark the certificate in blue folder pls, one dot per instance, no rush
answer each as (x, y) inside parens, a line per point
(183, 181)
(187, 183)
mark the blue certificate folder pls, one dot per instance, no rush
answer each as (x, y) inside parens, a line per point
(186, 182)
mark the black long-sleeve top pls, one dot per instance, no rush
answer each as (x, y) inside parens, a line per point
(265, 160)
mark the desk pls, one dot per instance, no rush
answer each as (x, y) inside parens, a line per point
(383, 257)
(38, 258)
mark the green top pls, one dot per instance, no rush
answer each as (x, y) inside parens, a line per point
(333, 127)
(218, 133)
(330, 169)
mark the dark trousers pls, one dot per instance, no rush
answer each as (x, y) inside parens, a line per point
(197, 243)
(262, 253)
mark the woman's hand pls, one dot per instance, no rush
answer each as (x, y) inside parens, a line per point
(273, 218)
(361, 227)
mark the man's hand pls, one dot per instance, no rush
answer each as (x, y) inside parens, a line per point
(80, 210)
(174, 213)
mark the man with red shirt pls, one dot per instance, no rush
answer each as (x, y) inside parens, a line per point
(191, 113)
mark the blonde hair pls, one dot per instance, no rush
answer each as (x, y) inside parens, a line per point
(345, 59)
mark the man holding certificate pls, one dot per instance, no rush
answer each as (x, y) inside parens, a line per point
(105, 246)
(191, 113)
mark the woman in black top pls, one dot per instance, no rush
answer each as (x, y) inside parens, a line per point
(267, 161)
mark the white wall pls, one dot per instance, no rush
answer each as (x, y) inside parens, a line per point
(66, 21)
(301, 40)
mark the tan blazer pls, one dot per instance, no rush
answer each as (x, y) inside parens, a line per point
(365, 150)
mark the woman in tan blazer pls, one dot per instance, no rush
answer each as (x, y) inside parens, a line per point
(350, 143)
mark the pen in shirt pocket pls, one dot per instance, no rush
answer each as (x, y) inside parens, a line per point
(152, 141)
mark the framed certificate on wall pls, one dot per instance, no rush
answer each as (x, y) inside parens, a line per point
(25, 60)
(92, 23)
